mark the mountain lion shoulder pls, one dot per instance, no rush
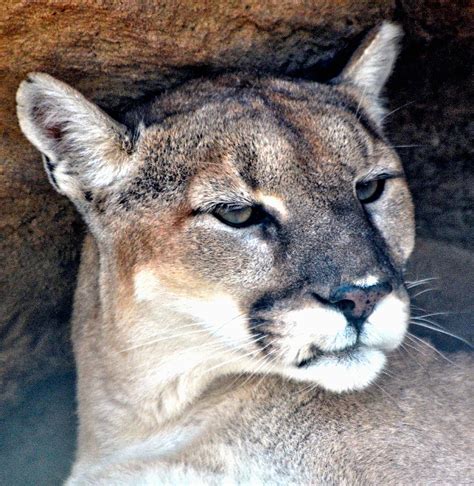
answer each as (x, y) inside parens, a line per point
(248, 237)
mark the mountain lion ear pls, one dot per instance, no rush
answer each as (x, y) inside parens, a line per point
(372, 63)
(83, 148)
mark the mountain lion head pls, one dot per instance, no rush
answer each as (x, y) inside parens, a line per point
(267, 217)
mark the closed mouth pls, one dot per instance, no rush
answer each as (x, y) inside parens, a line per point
(316, 355)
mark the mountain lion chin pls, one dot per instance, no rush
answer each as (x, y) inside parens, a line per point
(345, 371)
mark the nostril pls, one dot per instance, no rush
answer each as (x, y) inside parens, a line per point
(346, 306)
(357, 302)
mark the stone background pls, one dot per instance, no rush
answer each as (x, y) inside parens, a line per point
(116, 53)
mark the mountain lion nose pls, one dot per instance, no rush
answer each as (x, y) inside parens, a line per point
(357, 303)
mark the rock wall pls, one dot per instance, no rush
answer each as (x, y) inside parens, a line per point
(117, 52)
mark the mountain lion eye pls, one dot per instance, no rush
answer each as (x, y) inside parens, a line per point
(236, 217)
(370, 191)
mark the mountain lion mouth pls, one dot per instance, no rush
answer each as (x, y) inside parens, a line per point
(352, 369)
(344, 354)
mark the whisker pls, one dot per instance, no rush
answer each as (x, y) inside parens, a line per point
(360, 102)
(261, 365)
(416, 308)
(208, 346)
(434, 314)
(397, 109)
(413, 346)
(387, 394)
(235, 358)
(215, 345)
(423, 292)
(409, 146)
(415, 283)
(425, 320)
(387, 373)
(429, 321)
(431, 347)
(309, 388)
(442, 331)
(407, 345)
(177, 336)
(173, 337)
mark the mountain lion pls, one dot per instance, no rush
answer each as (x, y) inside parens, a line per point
(248, 236)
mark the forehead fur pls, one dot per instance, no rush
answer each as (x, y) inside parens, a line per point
(297, 148)
(263, 133)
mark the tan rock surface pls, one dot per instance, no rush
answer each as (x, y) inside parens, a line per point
(115, 52)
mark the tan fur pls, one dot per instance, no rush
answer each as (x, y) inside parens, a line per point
(203, 350)
(412, 427)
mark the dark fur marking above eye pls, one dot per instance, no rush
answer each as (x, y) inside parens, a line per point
(88, 196)
(158, 179)
(297, 135)
(249, 158)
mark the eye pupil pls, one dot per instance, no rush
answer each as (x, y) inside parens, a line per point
(370, 191)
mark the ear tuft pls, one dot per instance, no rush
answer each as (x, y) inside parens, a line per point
(83, 147)
(371, 65)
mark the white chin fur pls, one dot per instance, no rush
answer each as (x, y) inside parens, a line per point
(342, 374)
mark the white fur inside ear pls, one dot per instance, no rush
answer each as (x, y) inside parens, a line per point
(370, 67)
(372, 63)
(86, 148)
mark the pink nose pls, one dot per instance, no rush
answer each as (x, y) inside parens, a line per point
(357, 303)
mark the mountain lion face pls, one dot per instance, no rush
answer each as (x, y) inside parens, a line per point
(270, 214)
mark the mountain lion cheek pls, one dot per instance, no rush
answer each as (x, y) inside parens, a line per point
(241, 266)
(396, 223)
(205, 309)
